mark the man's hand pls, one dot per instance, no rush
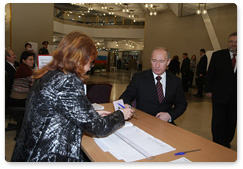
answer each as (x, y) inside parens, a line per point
(208, 94)
(127, 105)
(165, 116)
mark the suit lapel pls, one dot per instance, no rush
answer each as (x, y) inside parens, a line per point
(228, 60)
(168, 83)
(151, 83)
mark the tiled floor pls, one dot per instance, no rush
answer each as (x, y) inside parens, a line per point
(197, 117)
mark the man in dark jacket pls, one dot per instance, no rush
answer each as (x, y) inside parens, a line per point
(10, 67)
(185, 71)
(222, 87)
(201, 73)
(144, 89)
(44, 50)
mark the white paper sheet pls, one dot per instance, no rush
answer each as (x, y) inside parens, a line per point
(98, 106)
(131, 144)
(181, 160)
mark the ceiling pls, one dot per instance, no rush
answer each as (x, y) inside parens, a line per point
(133, 11)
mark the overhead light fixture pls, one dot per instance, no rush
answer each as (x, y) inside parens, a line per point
(104, 6)
(155, 12)
(198, 10)
(125, 9)
(204, 10)
(111, 11)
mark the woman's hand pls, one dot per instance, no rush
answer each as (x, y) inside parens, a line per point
(103, 113)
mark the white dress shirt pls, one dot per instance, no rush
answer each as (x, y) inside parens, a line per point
(231, 56)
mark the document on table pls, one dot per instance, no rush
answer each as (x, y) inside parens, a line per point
(181, 160)
(130, 143)
(98, 106)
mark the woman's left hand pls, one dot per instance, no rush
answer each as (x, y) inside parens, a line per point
(103, 112)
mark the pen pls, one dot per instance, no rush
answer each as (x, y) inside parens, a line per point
(182, 153)
(121, 105)
(124, 107)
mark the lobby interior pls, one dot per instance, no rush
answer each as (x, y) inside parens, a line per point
(187, 33)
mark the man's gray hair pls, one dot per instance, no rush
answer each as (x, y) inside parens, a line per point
(162, 49)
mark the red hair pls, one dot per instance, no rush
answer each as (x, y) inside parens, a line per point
(73, 53)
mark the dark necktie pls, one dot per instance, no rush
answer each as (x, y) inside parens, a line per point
(234, 60)
(159, 89)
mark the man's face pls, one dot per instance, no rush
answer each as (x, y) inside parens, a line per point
(159, 61)
(184, 56)
(232, 44)
(45, 45)
(12, 57)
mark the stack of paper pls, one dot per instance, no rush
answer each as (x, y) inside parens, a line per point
(131, 144)
(98, 106)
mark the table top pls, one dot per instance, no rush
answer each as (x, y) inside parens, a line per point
(175, 136)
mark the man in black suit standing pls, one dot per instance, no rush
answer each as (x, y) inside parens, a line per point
(185, 71)
(201, 73)
(156, 91)
(10, 67)
(222, 87)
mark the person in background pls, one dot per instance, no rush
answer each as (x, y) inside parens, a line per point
(58, 111)
(221, 86)
(44, 50)
(22, 80)
(28, 47)
(201, 73)
(192, 70)
(156, 91)
(185, 71)
(10, 67)
(174, 65)
(132, 64)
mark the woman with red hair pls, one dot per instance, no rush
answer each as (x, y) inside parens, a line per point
(58, 111)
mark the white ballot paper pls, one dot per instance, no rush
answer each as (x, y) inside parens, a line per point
(98, 106)
(181, 160)
(130, 143)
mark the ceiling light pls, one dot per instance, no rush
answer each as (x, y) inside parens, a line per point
(204, 10)
(125, 9)
(198, 10)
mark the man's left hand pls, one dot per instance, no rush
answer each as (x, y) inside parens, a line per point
(163, 116)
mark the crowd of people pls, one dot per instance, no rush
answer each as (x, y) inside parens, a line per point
(58, 111)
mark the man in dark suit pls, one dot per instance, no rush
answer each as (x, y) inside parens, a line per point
(201, 73)
(156, 91)
(185, 71)
(222, 87)
(10, 67)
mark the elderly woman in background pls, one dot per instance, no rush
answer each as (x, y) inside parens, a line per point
(58, 111)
